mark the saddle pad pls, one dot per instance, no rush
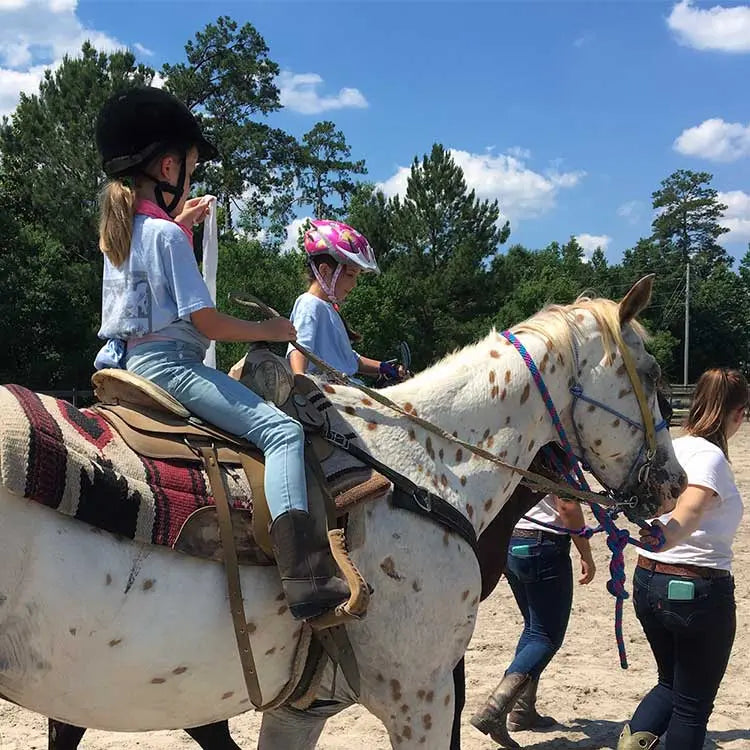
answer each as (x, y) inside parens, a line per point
(73, 461)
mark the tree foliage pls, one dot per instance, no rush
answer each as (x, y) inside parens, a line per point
(446, 278)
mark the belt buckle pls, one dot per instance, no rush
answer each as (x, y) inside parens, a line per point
(338, 439)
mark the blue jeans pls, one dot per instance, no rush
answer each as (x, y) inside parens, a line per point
(224, 402)
(691, 641)
(542, 582)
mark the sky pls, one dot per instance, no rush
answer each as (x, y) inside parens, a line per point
(568, 113)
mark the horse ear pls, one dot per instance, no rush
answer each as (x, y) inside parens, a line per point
(637, 299)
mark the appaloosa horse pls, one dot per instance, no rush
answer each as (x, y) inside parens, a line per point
(492, 553)
(152, 627)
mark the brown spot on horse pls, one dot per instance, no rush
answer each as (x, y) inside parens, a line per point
(494, 353)
(328, 388)
(525, 394)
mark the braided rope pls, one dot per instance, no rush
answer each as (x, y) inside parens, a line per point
(617, 539)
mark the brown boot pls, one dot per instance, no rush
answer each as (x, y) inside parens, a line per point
(305, 566)
(524, 714)
(637, 740)
(492, 718)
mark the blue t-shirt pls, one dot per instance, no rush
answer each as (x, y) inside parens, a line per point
(156, 288)
(321, 330)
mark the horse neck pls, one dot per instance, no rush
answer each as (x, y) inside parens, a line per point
(484, 395)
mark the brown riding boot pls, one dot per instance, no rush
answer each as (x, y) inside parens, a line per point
(492, 718)
(305, 567)
(637, 740)
(524, 714)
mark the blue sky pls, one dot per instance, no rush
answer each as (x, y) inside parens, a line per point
(569, 113)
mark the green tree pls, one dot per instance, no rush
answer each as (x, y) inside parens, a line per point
(50, 169)
(688, 214)
(436, 291)
(325, 171)
(49, 179)
(228, 80)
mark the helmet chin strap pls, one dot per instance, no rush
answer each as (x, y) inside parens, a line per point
(162, 186)
(329, 289)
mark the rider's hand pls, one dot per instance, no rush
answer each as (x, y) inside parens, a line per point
(277, 329)
(194, 211)
(389, 370)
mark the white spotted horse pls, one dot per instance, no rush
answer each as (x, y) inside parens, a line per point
(152, 627)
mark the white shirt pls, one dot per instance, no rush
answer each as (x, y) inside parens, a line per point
(711, 544)
(545, 510)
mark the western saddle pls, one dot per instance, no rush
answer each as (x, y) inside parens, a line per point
(156, 425)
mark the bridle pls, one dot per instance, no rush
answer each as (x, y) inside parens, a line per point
(621, 497)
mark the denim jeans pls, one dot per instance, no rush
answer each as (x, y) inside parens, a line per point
(224, 402)
(691, 641)
(542, 582)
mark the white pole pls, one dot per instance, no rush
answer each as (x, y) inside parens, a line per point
(687, 324)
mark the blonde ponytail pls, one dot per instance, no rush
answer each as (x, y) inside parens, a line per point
(116, 213)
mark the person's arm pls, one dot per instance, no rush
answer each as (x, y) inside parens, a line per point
(298, 362)
(686, 517)
(375, 367)
(368, 366)
(217, 326)
(572, 518)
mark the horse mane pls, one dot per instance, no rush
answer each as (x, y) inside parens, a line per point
(557, 324)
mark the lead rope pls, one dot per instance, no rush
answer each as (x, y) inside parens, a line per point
(617, 539)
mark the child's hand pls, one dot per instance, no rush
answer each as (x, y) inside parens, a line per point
(194, 211)
(277, 329)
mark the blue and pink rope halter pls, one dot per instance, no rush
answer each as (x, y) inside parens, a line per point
(617, 539)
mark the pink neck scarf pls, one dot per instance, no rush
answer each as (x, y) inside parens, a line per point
(149, 208)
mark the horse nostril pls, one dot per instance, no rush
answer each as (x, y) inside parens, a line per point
(674, 491)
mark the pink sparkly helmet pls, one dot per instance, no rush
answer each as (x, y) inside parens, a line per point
(344, 244)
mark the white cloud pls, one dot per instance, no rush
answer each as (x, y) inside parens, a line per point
(716, 140)
(292, 234)
(519, 152)
(141, 50)
(717, 28)
(34, 35)
(521, 192)
(631, 211)
(300, 93)
(590, 242)
(737, 216)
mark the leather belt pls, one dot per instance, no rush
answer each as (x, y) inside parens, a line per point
(539, 535)
(679, 569)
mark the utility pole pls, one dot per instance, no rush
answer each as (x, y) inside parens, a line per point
(687, 323)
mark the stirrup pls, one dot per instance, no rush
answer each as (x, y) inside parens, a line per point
(359, 598)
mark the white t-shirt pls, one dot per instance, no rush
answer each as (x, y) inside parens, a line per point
(545, 510)
(711, 544)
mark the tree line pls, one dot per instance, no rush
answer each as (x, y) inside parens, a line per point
(449, 268)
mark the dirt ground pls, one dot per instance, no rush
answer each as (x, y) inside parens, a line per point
(583, 688)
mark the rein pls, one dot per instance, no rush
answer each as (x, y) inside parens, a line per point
(531, 479)
(577, 487)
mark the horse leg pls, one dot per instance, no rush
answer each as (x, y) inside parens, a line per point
(214, 736)
(459, 686)
(62, 736)
(421, 718)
